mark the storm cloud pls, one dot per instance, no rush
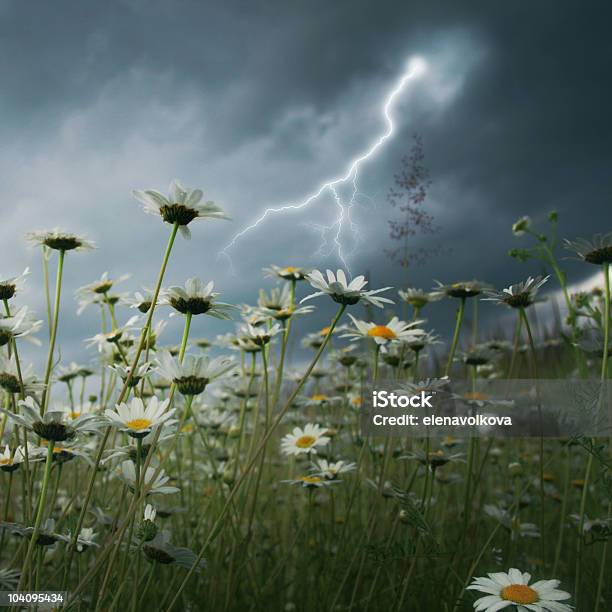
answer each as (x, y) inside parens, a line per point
(259, 103)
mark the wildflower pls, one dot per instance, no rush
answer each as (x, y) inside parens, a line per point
(331, 471)
(311, 482)
(318, 400)
(434, 459)
(259, 336)
(417, 298)
(19, 325)
(462, 289)
(9, 579)
(52, 425)
(519, 295)
(124, 372)
(9, 287)
(9, 377)
(46, 535)
(103, 340)
(512, 588)
(161, 551)
(195, 299)
(278, 305)
(521, 226)
(512, 524)
(10, 461)
(141, 301)
(136, 419)
(291, 273)
(421, 342)
(394, 331)
(343, 292)
(154, 486)
(193, 375)
(85, 539)
(182, 206)
(304, 440)
(596, 251)
(147, 530)
(59, 240)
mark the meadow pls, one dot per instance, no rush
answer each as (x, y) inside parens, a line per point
(190, 473)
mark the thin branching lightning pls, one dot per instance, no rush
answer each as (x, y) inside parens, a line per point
(416, 66)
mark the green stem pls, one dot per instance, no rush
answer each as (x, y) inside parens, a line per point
(39, 515)
(58, 292)
(604, 363)
(453, 348)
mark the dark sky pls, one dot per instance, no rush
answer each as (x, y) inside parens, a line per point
(260, 102)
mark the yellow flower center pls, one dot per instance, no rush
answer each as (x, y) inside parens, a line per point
(75, 415)
(474, 395)
(138, 424)
(356, 401)
(305, 441)
(5, 462)
(520, 594)
(382, 331)
(310, 479)
(318, 397)
(324, 331)
(290, 269)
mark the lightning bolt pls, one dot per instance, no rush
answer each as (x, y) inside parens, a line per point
(416, 67)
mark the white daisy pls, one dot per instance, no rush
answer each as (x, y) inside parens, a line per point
(343, 292)
(10, 286)
(53, 425)
(154, 486)
(259, 336)
(193, 375)
(513, 589)
(19, 325)
(182, 206)
(137, 419)
(519, 295)
(291, 273)
(310, 482)
(330, 470)
(196, 298)
(394, 331)
(59, 240)
(9, 377)
(304, 440)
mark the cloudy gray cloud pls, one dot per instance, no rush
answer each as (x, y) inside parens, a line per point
(259, 103)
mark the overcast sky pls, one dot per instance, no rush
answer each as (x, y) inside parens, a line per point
(258, 103)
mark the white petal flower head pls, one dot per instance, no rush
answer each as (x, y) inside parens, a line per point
(138, 420)
(149, 513)
(181, 206)
(193, 375)
(157, 485)
(196, 298)
(519, 295)
(10, 374)
(513, 589)
(59, 240)
(9, 287)
(306, 440)
(343, 292)
(331, 470)
(259, 336)
(21, 324)
(394, 331)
